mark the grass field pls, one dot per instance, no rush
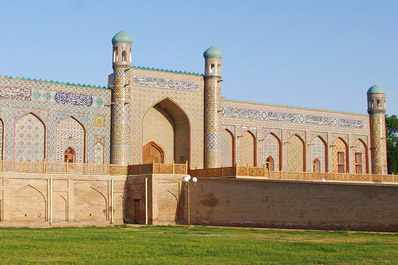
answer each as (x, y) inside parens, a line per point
(197, 245)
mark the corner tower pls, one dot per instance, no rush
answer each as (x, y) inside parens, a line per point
(212, 104)
(377, 111)
(120, 130)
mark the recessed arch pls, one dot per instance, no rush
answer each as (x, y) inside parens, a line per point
(71, 133)
(272, 146)
(152, 153)
(1, 140)
(227, 148)
(359, 152)
(319, 151)
(340, 157)
(167, 125)
(248, 146)
(30, 139)
(296, 154)
(270, 163)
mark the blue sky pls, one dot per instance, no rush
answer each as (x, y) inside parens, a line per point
(319, 54)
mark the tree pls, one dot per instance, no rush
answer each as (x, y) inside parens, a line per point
(392, 143)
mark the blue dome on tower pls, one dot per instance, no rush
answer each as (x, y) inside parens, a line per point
(122, 37)
(376, 90)
(212, 52)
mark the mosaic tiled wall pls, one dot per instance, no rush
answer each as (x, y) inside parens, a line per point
(271, 147)
(70, 133)
(227, 148)
(99, 153)
(295, 147)
(187, 98)
(247, 151)
(158, 128)
(29, 139)
(379, 151)
(318, 152)
(53, 102)
(286, 122)
(338, 146)
(359, 147)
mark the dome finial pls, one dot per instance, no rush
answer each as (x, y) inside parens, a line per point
(212, 52)
(376, 90)
(122, 37)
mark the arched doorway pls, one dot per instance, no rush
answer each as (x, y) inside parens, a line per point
(247, 150)
(295, 154)
(152, 153)
(166, 127)
(270, 164)
(316, 166)
(69, 155)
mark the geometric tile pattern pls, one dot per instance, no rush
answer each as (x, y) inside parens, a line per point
(227, 148)
(99, 153)
(378, 135)
(70, 134)
(29, 139)
(318, 152)
(271, 147)
(359, 147)
(296, 154)
(247, 151)
(339, 146)
(52, 113)
(1, 139)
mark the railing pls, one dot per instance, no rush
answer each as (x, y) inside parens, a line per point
(157, 168)
(62, 168)
(290, 175)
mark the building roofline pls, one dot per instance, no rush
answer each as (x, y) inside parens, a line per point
(166, 70)
(53, 82)
(292, 107)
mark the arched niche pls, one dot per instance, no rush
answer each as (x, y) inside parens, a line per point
(295, 154)
(167, 125)
(227, 148)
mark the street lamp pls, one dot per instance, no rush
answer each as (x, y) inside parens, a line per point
(186, 180)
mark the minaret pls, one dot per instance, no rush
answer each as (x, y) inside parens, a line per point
(212, 104)
(377, 111)
(120, 132)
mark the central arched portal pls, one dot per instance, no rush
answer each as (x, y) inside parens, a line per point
(166, 134)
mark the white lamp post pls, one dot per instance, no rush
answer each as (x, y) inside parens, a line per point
(186, 180)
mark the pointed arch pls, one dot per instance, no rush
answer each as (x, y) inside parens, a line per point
(316, 166)
(296, 154)
(360, 164)
(37, 209)
(227, 148)
(248, 146)
(168, 125)
(30, 139)
(272, 146)
(319, 151)
(152, 153)
(71, 133)
(340, 158)
(270, 164)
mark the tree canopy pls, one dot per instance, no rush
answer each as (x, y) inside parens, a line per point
(392, 143)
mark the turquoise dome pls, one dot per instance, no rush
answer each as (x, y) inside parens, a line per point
(376, 90)
(122, 37)
(212, 52)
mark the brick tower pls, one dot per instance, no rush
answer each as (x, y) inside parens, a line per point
(212, 105)
(120, 132)
(377, 110)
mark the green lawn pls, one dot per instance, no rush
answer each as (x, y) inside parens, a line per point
(197, 245)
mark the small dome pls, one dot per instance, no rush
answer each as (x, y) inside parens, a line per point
(376, 90)
(122, 37)
(212, 52)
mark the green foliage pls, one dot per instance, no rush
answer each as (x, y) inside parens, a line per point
(392, 143)
(193, 245)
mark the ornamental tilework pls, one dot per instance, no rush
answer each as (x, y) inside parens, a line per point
(359, 147)
(29, 139)
(43, 105)
(339, 146)
(99, 153)
(271, 148)
(318, 151)
(227, 148)
(70, 133)
(295, 147)
(247, 151)
(1, 139)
